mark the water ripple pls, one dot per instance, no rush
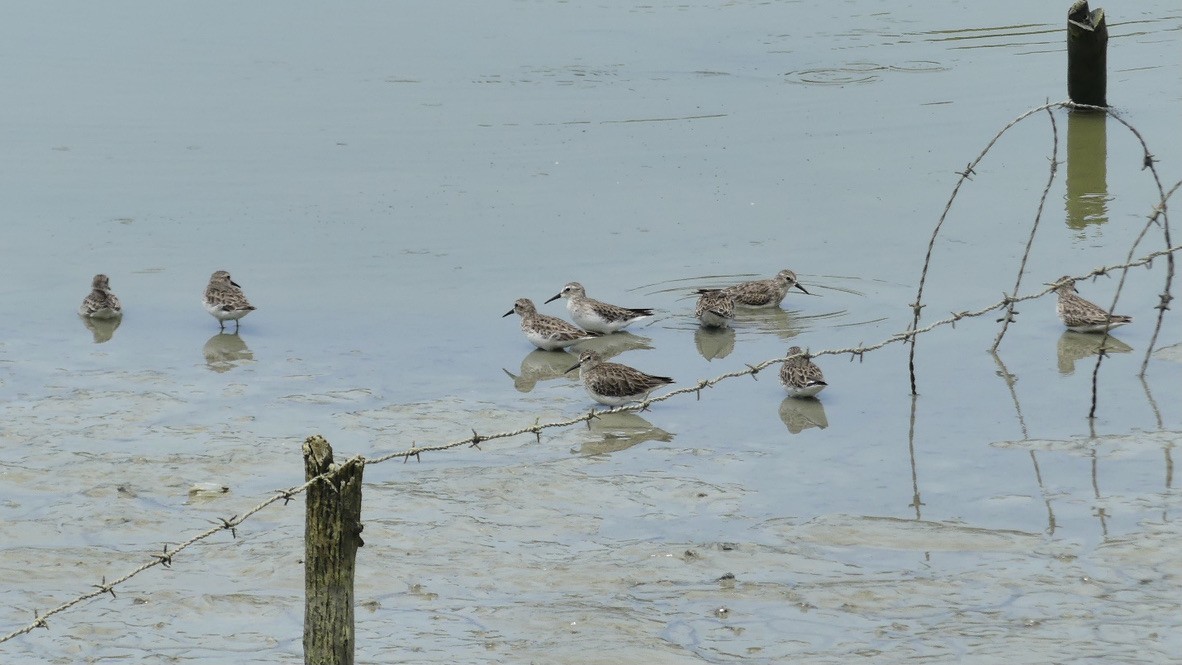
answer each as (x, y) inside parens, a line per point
(860, 72)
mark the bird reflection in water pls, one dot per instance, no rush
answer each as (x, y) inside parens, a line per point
(102, 329)
(714, 343)
(613, 432)
(616, 343)
(224, 351)
(540, 365)
(801, 414)
(783, 323)
(1075, 346)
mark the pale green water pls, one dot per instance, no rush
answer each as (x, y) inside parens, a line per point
(384, 181)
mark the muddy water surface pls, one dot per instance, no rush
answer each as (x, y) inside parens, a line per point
(385, 181)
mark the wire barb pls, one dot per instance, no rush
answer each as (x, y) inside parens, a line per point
(104, 587)
(701, 384)
(164, 559)
(229, 525)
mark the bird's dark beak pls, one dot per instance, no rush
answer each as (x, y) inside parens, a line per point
(801, 288)
(232, 282)
(556, 297)
(574, 367)
(506, 314)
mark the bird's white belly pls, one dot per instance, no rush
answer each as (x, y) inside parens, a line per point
(217, 312)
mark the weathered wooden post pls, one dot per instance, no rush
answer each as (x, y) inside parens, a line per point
(1087, 55)
(332, 534)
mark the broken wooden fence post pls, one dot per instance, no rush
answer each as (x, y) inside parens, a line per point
(332, 534)
(1087, 55)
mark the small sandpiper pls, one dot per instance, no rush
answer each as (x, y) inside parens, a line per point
(1081, 315)
(225, 301)
(799, 376)
(614, 384)
(715, 309)
(762, 292)
(101, 303)
(548, 333)
(598, 316)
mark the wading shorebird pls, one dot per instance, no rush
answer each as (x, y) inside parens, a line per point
(224, 300)
(1082, 315)
(715, 309)
(597, 316)
(101, 303)
(762, 292)
(614, 384)
(799, 376)
(548, 333)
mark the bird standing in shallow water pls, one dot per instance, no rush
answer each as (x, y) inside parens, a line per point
(762, 292)
(1082, 315)
(225, 301)
(101, 303)
(799, 376)
(715, 309)
(597, 316)
(548, 333)
(614, 384)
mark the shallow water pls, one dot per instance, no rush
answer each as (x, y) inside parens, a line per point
(385, 182)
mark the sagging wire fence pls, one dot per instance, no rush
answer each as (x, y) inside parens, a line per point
(1158, 216)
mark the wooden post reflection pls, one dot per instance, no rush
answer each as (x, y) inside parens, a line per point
(1087, 168)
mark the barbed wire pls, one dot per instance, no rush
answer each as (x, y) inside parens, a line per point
(1148, 162)
(1009, 315)
(1165, 297)
(165, 556)
(1159, 212)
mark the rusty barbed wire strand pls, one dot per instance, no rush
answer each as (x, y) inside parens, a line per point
(1054, 168)
(927, 261)
(1148, 162)
(163, 558)
(1165, 296)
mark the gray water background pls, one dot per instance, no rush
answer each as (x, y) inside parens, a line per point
(385, 179)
